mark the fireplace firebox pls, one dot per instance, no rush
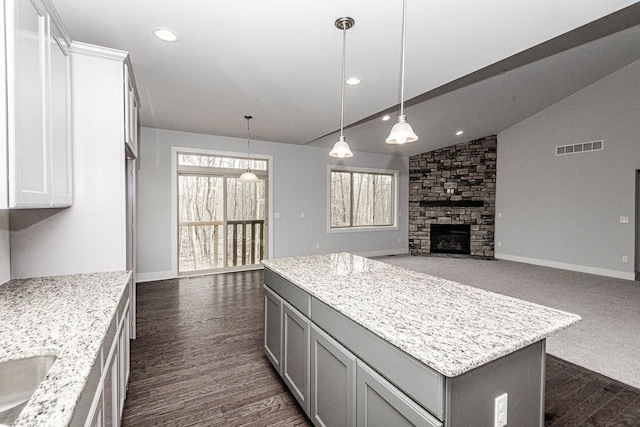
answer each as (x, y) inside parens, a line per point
(451, 239)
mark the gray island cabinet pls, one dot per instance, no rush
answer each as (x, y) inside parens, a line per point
(361, 342)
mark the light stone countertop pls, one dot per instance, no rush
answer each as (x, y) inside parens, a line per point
(451, 328)
(65, 316)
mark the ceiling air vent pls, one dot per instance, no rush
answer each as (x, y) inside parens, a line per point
(583, 147)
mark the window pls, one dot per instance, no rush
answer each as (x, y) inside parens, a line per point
(362, 198)
(220, 162)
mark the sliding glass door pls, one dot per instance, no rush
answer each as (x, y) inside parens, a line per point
(221, 221)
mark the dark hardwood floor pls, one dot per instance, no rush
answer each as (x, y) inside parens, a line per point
(198, 361)
(576, 396)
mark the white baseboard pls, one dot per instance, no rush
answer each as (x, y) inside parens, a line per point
(154, 275)
(384, 252)
(163, 275)
(565, 266)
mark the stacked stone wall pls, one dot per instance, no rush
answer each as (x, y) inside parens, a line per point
(454, 185)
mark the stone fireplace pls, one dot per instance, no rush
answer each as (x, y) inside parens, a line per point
(453, 186)
(450, 239)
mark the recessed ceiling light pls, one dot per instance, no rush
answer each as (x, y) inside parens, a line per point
(353, 81)
(459, 133)
(165, 34)
(385, 118)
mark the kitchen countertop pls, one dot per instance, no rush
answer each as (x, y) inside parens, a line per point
(65, 316)
(450, 327)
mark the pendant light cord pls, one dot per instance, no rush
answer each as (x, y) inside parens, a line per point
(248, 140)
(344, 50)
(248, 144)
(404, 36)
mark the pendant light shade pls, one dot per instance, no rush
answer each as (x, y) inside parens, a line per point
(341, 148)
(402, 132)
(248, 176)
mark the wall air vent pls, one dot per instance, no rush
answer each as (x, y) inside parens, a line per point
(583, 147)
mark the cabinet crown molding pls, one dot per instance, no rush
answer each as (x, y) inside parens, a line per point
(55, 17)
(103, 52)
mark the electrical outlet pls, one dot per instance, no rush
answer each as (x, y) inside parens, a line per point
(276, 215)
(500, 410)
(399, 239)
(624, 219)
(625, 258)
(317, 245)
(301, 214)
(499, 243)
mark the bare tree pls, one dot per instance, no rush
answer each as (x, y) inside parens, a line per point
(202, 208)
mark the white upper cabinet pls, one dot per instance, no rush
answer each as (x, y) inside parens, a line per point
(36, 118)
(130, 113)
(59, 118)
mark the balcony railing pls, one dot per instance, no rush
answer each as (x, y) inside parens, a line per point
(202, 244)
(255, 236)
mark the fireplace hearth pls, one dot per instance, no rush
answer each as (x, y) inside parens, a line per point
(451, 239)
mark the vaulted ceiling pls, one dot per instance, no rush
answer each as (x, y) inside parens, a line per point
(479, 67)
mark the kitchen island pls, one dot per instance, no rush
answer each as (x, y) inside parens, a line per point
(362, 342)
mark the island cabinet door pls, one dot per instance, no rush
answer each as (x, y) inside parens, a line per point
(381, 404)
(333, 382)
(295, 357)
(273, 328)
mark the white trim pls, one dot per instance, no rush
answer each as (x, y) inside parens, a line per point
(564, 266)
(383, 252)
(213, 272)
(153, 276)
(102, 52)
(356, 169)
(174, 197)
(360, 229)
(55, 17)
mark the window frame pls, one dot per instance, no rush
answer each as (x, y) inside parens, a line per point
(352, 169)
(175, 149)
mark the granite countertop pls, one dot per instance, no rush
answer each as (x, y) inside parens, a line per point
(65, 316)
(452, 328)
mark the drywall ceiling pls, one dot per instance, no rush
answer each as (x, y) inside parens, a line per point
(476, 66)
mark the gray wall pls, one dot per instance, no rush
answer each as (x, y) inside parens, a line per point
(300, 185)
(564, 211)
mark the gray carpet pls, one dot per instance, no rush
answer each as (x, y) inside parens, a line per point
(608, 338)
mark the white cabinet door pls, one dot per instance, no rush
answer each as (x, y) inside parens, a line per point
(97, 420)
(60, 119)
(130, 114)
(37, 119)
(111, 388)
(26, 96)
(123, 368)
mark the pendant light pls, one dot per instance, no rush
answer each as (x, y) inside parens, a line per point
(248, 176)
(401, 132)
(341, 148)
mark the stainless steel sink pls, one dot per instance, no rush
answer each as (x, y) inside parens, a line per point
(18, 380)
